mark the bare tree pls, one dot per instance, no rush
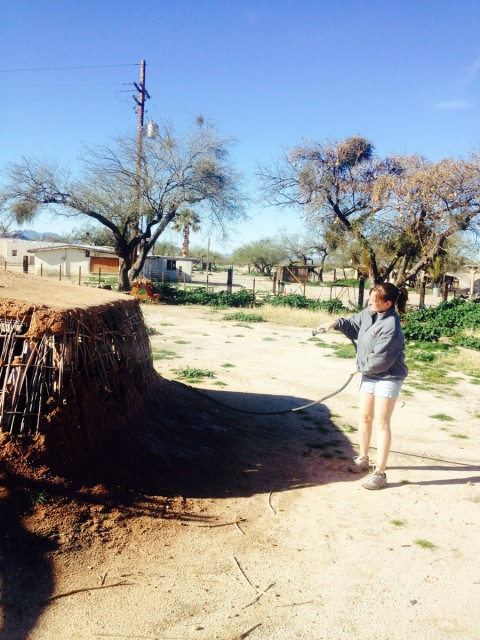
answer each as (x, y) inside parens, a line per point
(392, 215)
(137, 205)
(332, 182)
(424, 206)
(311, 247)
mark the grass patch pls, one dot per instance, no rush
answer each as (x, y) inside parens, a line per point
(192, 375)
(431, 376)
(460, 436)
(268, 339)
(322, 344)
(323, 428)
(317, 445)
(343, 351)
(164, 354)
(443, 417)
(182, 342)
(431, 362)
(425, 544)
(219, 383)
(227, 365)
(38, 497)
(397, 523)
(348, 428)
(461, 360)
(151, 331)
(240, 316)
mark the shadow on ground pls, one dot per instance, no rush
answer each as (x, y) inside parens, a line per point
(25, 570)
(181, 445)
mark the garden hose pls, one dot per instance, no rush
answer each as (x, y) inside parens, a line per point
(277, 413)
(295, 409)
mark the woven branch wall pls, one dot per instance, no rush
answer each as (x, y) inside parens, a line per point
(49, 360)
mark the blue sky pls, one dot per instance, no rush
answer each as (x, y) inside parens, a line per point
(403, 73)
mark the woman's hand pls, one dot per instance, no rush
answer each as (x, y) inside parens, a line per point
(326, 326)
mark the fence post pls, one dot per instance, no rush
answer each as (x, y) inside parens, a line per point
(60, 273)
(25, 264)
(229, 280)
(444, 290)
(253, 297)
(79, 276)
(275, 282)
(41, 270)
(99, 275)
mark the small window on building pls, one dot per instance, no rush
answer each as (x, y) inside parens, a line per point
(171, 265)
(14, 252)
(87, 254)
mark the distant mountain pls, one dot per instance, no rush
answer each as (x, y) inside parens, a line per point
(29, 234)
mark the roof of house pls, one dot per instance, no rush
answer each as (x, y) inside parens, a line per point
(80, 247)
(174, 258)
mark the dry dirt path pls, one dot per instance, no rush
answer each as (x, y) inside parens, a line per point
(286, 544)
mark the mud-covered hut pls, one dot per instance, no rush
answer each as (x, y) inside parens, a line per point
(79, 393)
(75, 362)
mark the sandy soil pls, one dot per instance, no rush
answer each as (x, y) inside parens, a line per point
(274, 538)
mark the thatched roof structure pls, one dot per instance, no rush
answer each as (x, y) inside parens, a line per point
(78, 390)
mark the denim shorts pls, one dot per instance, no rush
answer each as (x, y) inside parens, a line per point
(383, 388)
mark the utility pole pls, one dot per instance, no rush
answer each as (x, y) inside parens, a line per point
(143, 95)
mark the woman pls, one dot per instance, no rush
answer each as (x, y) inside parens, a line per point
(381, 361)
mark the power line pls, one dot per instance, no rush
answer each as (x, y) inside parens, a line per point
(65, 84)
(99, 66)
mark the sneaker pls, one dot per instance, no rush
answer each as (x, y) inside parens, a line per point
(375, 481)
(360, 464)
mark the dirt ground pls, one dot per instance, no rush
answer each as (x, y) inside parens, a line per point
(260, 532)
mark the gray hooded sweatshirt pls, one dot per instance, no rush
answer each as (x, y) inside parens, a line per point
(380, 343)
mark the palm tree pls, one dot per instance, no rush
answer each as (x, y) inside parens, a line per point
(185, 221)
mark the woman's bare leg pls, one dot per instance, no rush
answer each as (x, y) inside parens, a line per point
(367, 412)
(383, 412)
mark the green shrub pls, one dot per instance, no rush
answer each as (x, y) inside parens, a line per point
(468, 342)
(200, 295)
(447, 320)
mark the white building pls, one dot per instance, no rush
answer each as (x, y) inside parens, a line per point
(13, 250)
(169, 268)
(74, 259)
